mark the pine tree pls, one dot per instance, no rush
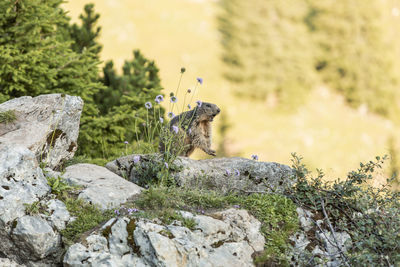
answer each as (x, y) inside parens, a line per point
(356, 52)
(86, 35)
(266, 49)
(36, 57)
(121, 99)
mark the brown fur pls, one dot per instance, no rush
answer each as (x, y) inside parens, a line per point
(196, 127)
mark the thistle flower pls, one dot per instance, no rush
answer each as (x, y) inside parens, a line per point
(166, 165)
(171, 115)
(189, 91)
(199, 103)
(189, 106)
(161, 120)
(254, 157)
(148, 105)
(200, 80)
(183, 70)
(136, 159)
(174, 99)
(237, 172)
(159, 99)
(175, 129)
(126, 142)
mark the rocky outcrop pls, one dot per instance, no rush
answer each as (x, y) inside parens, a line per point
(21, 182)
(317, 244)
(100, 186)
(24, 239)
(227, 238)
(222, 174)
(48, 125)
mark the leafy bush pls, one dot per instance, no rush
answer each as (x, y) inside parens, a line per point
(370, 215)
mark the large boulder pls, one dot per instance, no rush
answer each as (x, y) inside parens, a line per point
(226, 238)
(25, 239)
(21, 182)
(47, 124)
(222, 174)
(101, 186)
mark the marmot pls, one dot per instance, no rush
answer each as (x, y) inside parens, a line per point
(195, 127)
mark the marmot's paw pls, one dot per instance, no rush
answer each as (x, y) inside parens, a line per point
(211, 152)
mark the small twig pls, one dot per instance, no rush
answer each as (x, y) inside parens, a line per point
(333, 233)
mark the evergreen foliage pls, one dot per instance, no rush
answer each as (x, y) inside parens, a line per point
(42, 53)
(121, 105)
(36, 56)
(356, 51)
(267, 51)
(85, 36)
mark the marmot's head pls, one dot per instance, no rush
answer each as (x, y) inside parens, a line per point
(207, 111)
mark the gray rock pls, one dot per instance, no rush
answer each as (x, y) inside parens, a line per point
(59, 214)
(118, 239)
(9, 263)
(223, 174)
(102, 187)
(21, 182)
(35, 237)
(37, 119)
(228, 239)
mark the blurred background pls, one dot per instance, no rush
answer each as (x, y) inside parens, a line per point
(317, 77)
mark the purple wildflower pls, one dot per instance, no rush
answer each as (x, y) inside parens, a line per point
(228, 172)
(161, 120)
(200, 80)
(254, 157)
(126, 142)
(130, 210)
(148, 105)
(237, 172)
(189, 106)
(159, 99)
(166, 165)
(200, 211)
(136, 159)
(199, 103)
(236, 206)
(116, 212)
(175, 129)
(174, 99)
(171, 115)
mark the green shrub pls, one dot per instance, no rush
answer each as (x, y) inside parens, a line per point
(370, 215)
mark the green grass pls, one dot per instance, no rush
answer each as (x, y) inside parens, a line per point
(87, 216)
(7, 116)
